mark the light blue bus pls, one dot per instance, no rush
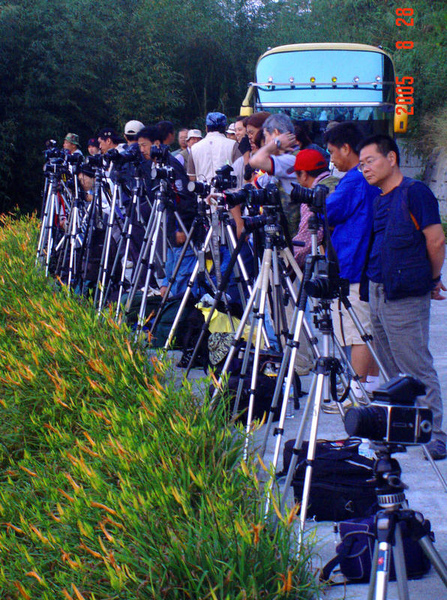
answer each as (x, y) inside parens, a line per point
(319, 83)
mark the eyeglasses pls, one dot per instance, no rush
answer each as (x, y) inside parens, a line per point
(368, 162)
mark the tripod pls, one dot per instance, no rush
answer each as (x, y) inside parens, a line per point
(391, 499)
(51, 213)
(275, 249)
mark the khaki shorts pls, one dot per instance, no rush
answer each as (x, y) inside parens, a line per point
(347, 332)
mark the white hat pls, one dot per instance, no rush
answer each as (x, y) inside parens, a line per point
(194, 133)
(231, 128)
(133, 127)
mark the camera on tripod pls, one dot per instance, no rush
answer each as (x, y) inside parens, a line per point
(163, 172)
(223, 180)
(74, 159)
(328, 284)
(251, 196)
(393, 417)
(315, 198)
(122, 158)
(201, 188)
(95, 161)
(160, 153)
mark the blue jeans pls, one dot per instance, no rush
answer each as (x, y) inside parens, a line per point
(184, 273)
(401, 336)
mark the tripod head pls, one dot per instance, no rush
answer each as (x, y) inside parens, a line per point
(387, 471)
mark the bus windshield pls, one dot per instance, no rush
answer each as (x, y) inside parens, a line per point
(326, 77)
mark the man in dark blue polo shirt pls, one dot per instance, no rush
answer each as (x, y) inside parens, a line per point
(404, 270)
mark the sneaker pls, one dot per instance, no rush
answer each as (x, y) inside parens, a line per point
(437, 449)
(331, 407)
(303, 365)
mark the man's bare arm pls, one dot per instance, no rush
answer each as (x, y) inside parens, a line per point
(262, 160)
(434, 237)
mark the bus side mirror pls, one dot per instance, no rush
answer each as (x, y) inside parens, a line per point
(246, 111)
(400, 120)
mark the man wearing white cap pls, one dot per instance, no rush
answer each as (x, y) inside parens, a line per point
(131, 130)
(193, 136)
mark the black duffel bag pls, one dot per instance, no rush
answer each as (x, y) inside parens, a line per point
(356, 549)
(342, 484)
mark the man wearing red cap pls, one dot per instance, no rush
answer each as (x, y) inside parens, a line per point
(311, 168)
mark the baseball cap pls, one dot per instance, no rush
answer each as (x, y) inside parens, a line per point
(87, 170)
(93, 142)
(194, 133)
(216, 119)
(133, 127)
(308, 160)
(72, 138)
(231, 128)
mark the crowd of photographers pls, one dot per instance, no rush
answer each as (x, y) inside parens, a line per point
(385, 228)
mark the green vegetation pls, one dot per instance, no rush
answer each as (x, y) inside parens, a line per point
(116, 482)
(78, 65)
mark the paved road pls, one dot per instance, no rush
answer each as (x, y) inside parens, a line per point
(425, 492)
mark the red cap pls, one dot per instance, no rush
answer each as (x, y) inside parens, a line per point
(309, 160)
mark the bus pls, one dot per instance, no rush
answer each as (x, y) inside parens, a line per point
(319, 83)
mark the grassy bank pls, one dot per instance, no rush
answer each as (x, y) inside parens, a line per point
(116, 481)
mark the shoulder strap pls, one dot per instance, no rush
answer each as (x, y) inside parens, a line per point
(342, 550)
(406, 184)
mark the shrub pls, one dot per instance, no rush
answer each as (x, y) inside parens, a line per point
(117, 482)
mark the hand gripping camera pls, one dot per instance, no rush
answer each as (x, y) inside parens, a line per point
(392, 417)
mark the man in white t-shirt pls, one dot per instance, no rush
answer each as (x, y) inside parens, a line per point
(214, 151)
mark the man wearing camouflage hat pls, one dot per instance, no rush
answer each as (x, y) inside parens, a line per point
(71, 144)
(214, 151)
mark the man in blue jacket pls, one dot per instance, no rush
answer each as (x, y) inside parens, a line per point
(350, 214)
(404, 271)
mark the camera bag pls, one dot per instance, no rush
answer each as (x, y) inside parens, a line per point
(356, 549)
(342, 484)
(268, 367)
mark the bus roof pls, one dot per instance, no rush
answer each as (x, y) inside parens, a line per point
(322, 46)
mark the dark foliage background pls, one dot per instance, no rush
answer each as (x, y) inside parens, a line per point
(78, 65)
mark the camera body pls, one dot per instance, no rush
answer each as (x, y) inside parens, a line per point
(327, 284)
(392, 417)
(251, 196)
(163, 172)
(95, 161)
(120, 159)
(201, 188)
(160, 153)
(315, 198)
(223, 180)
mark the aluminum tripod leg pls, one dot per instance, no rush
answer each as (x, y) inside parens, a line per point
(259, 316)
(189, 287)
(142, 260)
(154, 238)
(381, 565)
(72, 270)
(441, 478)
(238, 336)
(187, 244)
(235, 258)
(389, 539)
(101, 286)
(50, 225)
